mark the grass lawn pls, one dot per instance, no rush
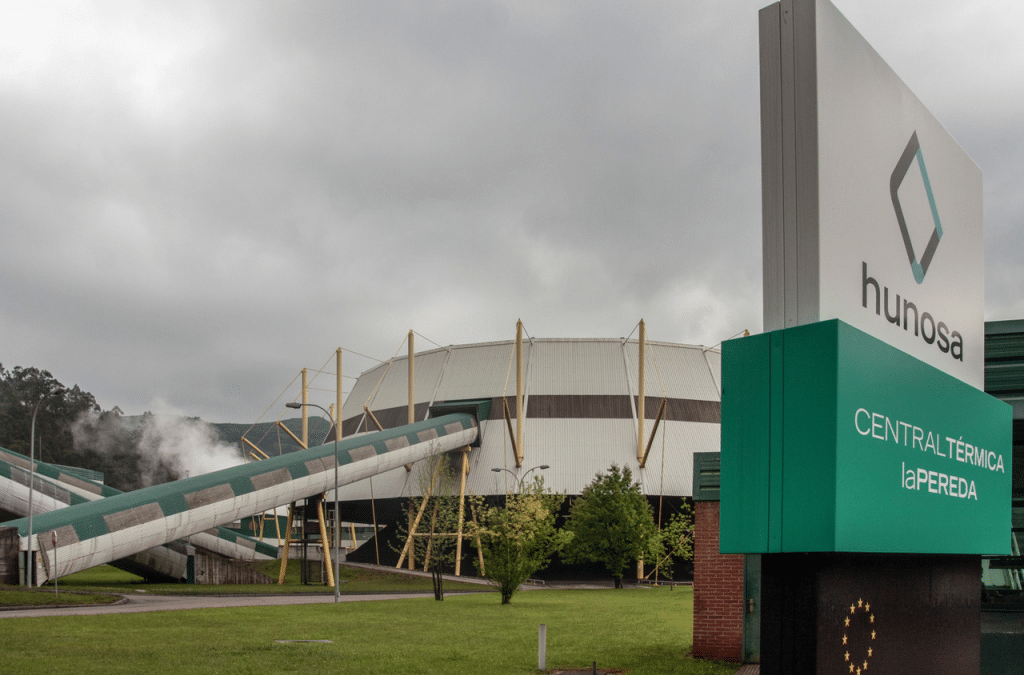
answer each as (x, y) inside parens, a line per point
(642, 631)
(19, 596)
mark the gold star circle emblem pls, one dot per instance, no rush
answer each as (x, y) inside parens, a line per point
(858, 637)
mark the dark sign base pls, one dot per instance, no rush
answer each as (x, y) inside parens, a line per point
(859, 613)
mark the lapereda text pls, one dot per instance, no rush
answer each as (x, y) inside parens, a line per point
(884, 428)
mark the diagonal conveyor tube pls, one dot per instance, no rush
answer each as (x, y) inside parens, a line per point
(109, 529)
(56, 489)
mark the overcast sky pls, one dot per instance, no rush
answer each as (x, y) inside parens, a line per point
(199, 199)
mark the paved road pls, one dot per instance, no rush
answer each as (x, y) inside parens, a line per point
(145, 602)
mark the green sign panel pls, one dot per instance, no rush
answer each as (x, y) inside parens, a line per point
(833, 440)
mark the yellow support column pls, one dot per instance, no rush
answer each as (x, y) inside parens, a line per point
(462, 510)
(519, 442)
(642, 394)
(410, 546)
(412, 380)
(287, 543)
(298, 441)
(325, 543)
(305, 413)
(412, 389)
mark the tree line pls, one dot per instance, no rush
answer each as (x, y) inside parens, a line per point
(71, 429)
(610, 523)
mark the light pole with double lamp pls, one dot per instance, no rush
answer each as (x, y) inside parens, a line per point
(520, 480)
(337, 512)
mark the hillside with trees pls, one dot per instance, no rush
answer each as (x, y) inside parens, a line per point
(130, 451)
(72, 430)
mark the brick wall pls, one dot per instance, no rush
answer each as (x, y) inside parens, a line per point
(717, 591)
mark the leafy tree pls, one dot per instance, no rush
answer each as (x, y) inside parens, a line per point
(21, 390)
(519, 538)
(676, 540)
(435, 517)
(613, 524)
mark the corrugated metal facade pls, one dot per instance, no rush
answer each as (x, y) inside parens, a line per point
(581, 404)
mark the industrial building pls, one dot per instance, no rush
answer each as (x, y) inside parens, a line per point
(586, 404)
(1004, 379)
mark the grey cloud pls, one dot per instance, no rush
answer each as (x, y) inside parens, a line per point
(199, 218)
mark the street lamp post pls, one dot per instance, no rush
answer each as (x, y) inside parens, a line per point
(30, 567)
(337, 512)
(520, 480)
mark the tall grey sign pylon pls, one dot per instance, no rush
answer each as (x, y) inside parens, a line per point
(844, 210)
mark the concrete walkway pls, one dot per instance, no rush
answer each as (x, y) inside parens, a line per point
(140, 601)
(145, 602)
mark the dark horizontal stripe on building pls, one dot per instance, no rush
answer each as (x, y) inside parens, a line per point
(561, 406)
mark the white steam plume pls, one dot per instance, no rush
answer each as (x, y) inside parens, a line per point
(162, 440)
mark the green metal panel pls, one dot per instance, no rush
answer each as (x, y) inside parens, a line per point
(172, 503)
(745, 440)
(877, 451)
(808, 425)
(42, 484)
(52, 471)
(79, 472)
(89, 525)
(241, 485)
(707, 476)
(298, 469)
(882, 380)
(776, 416)
(478, 407)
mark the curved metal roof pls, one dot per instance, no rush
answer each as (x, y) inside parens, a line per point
(580, 402)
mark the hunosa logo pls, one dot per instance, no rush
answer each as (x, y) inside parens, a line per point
(913, 150)
(905, 313)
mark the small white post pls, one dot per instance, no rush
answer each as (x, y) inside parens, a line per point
(542, 647)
